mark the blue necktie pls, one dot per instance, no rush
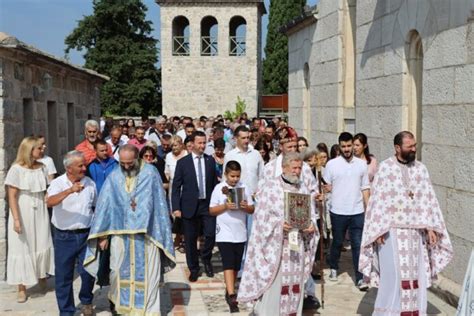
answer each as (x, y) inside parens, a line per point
(200, 179)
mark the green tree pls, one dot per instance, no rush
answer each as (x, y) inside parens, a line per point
(275, 65)
(118, 43)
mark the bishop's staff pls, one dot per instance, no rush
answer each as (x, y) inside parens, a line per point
(322, 212)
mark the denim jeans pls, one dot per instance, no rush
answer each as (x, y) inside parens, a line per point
(340, 224)
(70, 247)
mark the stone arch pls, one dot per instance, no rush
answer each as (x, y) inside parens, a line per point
(237, 36)
(180, 36)
(412, 89)
(306, 115)
(209, 36)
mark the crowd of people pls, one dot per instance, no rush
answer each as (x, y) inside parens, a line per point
(134, 191)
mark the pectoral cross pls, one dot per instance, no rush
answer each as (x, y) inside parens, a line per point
(411, 194)
(133, 204)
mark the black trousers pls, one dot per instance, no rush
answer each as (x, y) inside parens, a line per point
(191, 232)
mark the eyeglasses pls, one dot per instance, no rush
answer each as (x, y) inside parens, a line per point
(148, 156)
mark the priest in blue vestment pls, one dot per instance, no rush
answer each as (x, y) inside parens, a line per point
(132, 214)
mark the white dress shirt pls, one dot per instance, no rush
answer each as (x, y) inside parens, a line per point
(251, 163)
(348, 180)
(75, 211)
(203, 169)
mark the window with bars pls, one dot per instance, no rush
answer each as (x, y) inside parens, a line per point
(180, 36)
(237, 36)
(209, 36)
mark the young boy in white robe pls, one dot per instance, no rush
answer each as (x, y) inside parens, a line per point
(231, 230)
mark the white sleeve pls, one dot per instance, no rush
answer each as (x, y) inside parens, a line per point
(13, 177)
(215, 197)
(327, 174)
(50, 166)
(365, 179)
(54, 188)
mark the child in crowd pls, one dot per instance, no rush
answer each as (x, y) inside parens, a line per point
(231, 231)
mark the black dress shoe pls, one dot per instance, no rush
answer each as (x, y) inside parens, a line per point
(208, 269)
(231, 300)
(316, 276)
(311, 303)
(194, 276)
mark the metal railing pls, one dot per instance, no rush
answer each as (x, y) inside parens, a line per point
(181, 46)
(208, 46)
(237, 46)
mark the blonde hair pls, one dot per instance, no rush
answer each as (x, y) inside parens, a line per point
(23, 156)
(174, 139)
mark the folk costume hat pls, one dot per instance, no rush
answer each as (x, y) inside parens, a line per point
(286, 134)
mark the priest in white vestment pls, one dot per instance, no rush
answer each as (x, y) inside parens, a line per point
(405, 243)
(275, 271)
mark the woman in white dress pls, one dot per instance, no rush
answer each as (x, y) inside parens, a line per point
(30, 247)
(177, 152)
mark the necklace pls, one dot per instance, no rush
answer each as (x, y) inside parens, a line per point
(406, 179)
(131, 184)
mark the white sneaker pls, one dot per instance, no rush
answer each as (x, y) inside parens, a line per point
(333, 275)
(362, 286)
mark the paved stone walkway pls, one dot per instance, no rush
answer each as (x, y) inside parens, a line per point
(206, 297)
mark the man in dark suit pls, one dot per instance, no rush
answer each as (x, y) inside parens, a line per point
(194, 179)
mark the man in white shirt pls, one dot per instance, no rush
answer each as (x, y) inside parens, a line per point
(249, 159)
(115, 140)
(72, 197)
(348, 179)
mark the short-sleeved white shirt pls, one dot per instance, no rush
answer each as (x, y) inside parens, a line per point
(231, 226)
(348, 179)
(49, 163)
(75, 211)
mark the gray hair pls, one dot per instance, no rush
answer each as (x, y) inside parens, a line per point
(290, 157)
(70, 157)
(160, 120)
(91, 123)
(129, 148)
(307, 154)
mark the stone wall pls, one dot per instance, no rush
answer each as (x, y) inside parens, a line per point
(382, 93)
(320, 46)
(447, 110)
(28, 83)
(209, 85)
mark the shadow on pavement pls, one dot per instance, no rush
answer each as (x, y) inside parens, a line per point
(174, 294)
(366, 305)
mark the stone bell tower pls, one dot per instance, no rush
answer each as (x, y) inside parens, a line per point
(210, 55)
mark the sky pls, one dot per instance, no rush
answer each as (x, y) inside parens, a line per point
(46, 23)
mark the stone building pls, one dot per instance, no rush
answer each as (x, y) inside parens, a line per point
(42, 95)
(379, 67)
(210, 55)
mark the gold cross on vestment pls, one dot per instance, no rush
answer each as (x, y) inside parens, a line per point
(133, 204)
